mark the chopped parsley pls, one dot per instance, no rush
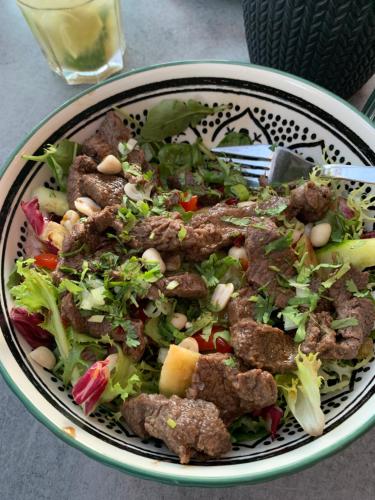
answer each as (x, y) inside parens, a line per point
(272, 211)
(171, 423)
(182, 233)
(264, 306)
(231, 362)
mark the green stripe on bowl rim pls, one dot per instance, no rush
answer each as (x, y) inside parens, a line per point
(163, 477)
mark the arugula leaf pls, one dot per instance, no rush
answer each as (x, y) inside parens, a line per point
(237, 221)
(344, 323)
(235, 139)
(280, 244)
(59, 158)
(171, 117)
(179, 157)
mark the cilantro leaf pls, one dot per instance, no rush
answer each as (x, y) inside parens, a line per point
(182, 233)
(237, 221)
(279, 244)
(231, 362)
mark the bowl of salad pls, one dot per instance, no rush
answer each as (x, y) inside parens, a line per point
(166, 318)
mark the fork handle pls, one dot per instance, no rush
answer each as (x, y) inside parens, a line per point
(350, 173)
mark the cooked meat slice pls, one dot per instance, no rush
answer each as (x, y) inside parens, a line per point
(172, 261)
(310, 202)
(89, 232)
(185, 285)
(233, 392)
(343, 343)
(214, 215)
(82, 165)
(339, 292)
(188, 427)
(263, 346)
(106, 139)
(105, 190)
(135, 352)
(157, 232)
(71, 315)
(241, 307)
(136, 410)
(264, 269)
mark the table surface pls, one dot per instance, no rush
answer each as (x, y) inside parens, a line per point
(34, 464)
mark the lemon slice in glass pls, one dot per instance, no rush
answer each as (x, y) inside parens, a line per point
(80, 30)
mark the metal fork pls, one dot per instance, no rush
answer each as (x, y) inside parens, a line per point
(282, 165)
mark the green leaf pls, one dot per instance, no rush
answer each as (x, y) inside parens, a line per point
(336, 276)
(237, 221)
(279, 244)
(59, 158)
(344, 323)
(240, 191)
(215, 268)
(235, 139)
(248, 428)
(175, 158)
(264, 306)
(171, 117)
(231, 362)
(37, 293)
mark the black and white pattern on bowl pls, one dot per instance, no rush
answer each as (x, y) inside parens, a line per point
(268, 116)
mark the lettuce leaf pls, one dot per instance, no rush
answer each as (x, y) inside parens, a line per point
(302, 393)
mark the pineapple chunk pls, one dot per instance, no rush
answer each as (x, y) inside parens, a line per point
(177, 371)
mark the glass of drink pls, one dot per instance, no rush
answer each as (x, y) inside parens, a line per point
(82, 39)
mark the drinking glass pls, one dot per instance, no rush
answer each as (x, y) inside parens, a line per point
(82, 40)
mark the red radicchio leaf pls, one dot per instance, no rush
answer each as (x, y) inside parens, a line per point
(27, 324)
(272, 415)
(88, 388)
(347, 212)
(369, 234)
(33, 215)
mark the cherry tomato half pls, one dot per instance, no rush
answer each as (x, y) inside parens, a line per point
(190, 205)
(46, 260)
(209, 345)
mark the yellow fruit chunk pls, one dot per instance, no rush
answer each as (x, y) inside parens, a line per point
(177, 371)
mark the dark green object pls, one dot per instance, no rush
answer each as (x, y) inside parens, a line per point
(329, 42)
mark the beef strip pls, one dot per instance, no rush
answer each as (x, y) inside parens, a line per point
(264, 269)
(263, 346)
(309, 202)
(190, 286)
(82, 165)
(105, 190)
(106, 139)
(343, 343)
(205, 233)
(71, 315)
(233, 392)
(188, 427)
(240, 307)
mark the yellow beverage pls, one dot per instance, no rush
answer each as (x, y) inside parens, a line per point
(82, 40)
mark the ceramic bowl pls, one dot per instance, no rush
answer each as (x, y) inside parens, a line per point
(273, 108)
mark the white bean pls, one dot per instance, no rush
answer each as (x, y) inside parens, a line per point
(70, 218)
(136, 194)
(110, 165)
(320, 234)
(44, 357)
(179, 320)
(86, 206)
(131, 144)
(152, 255)
(221, 295)
(238, 253)
(190, 344)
